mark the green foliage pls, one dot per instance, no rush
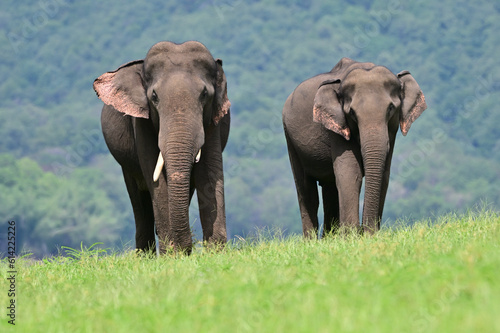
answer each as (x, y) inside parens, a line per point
(85, 253)
(51, 211)
(52, 50)
(432, 277)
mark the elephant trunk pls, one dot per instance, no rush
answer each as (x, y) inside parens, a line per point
(179, 150)
(374, 150)
(178, 166)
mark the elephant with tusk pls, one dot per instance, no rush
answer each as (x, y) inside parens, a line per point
(160, 113)
(161, 163)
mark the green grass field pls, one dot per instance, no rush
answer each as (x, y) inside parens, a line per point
(442, 277)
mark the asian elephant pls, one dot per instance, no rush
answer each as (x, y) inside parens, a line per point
(166, 122)
(341, 126)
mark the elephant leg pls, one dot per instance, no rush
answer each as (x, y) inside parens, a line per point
(387, 174)
(209, 183)
(383, 193)
(385, 184)
(143, 214)
(191, 193)
(147, 152)
(330, 208)
(348, 177)
(307, 194)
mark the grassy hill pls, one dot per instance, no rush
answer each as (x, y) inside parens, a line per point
(59, 182)
(439, 277)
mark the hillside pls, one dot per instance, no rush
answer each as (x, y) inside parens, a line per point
(60, 184)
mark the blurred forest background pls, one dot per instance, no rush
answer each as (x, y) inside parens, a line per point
(62, 187)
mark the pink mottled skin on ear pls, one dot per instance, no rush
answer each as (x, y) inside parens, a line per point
(320, 116)
(223, 110)
(416, 110)
(110, 95)
(103, 86)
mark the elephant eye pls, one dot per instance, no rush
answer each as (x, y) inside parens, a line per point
(154, 98)
(352, 113)
(204, 93)
(391, 108)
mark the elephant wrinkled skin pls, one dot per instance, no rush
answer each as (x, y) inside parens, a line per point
(341, 126)
(166, 122)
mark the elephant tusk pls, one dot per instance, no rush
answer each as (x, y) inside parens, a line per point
(159, 166)
(198, 156)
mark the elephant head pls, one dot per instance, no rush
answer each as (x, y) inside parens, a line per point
(368, 104)
(181, 89)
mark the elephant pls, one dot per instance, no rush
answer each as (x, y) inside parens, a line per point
(341, 126)
(166, 121)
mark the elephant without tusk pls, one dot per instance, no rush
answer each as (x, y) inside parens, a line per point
(341, 126)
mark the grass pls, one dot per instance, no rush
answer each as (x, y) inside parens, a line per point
(439, 277)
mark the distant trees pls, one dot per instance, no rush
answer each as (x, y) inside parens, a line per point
(59, 182)
(51, 211)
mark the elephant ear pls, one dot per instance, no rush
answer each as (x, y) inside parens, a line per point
(221, 102)
(413, 101)
(328, 109)
(124, 90)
